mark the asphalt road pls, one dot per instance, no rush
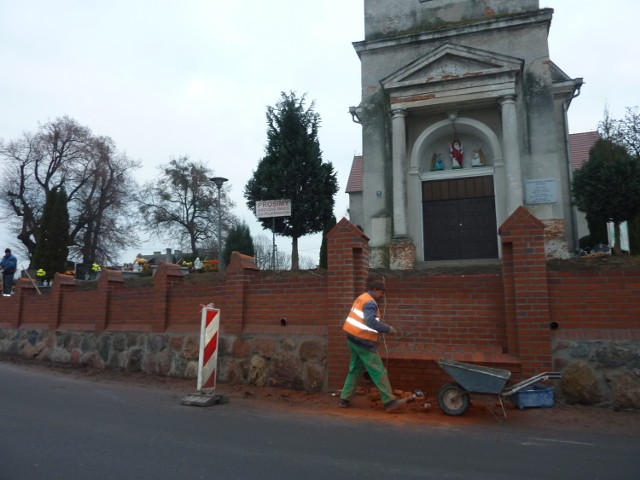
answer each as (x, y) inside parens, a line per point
(61, 427)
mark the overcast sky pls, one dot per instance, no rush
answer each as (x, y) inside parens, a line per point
(165, 79)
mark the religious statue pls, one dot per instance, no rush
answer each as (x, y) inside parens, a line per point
(456, 152)
(478, 158)
(436, 162)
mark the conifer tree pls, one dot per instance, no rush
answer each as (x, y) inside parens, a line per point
(607, 186)
(292, 169)
(238, 240)
(53, 237)
(324, 263)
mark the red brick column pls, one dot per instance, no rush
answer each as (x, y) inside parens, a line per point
(509, 299)
(238, 274)
(61, 284)
(24, 290)
(348, 268)
(166, 275)
(109, 281)
(526, 291)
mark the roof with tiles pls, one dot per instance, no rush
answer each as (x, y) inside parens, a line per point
(579, 145)
(354, 184)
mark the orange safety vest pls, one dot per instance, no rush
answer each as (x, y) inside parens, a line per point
(354, 324)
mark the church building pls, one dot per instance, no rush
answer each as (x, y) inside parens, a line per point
(464, 119)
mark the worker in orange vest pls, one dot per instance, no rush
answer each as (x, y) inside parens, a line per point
(363, 326)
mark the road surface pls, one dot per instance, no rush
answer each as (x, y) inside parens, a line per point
(57, 426)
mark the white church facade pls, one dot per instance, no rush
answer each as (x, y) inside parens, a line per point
(464, 119)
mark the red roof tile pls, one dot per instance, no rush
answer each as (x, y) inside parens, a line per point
(354, 184)
(579, 146)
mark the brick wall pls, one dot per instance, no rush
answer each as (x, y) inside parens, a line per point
(509, 320)
(593, 300)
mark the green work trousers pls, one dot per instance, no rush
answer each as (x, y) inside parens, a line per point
(361, 360)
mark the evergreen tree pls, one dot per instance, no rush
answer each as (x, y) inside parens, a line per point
(624, 132)
(52, 249)
(238, 240)
(597, 233)
(607, 186)
(292, 168)
(324, 262)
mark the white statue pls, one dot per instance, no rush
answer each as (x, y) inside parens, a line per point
(478, 158)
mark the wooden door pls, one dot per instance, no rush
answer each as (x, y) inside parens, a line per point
(459, 219)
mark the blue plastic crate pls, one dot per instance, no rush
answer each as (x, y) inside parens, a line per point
(537, 395)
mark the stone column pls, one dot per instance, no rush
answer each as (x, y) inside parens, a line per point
(511, 154)
(399, 144)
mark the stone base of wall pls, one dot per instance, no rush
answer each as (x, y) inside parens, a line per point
(295, 362)
(599, 372)
(155, 354)
(595, 372)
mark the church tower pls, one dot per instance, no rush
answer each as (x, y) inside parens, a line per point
(463, 120)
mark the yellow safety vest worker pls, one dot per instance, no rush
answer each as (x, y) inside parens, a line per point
(354, 324)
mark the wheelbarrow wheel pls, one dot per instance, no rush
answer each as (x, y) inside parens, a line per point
(453, 399)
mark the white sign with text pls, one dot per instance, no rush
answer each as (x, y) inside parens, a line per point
(273, 208)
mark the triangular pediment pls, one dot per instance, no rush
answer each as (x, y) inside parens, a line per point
(557, 75)
(451, 62)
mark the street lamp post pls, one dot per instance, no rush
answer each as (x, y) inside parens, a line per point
(219, 181)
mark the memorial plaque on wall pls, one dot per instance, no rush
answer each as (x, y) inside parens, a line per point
(542, 190)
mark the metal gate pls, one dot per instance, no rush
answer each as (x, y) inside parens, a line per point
(459, 219)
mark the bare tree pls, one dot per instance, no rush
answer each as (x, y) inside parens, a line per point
(181, 205)
(263, 251)
(625, 131)
(65, 154)
(262, 247)
(110, 191)
(307, 263)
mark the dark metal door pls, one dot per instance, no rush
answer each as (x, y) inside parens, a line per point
(459, 219)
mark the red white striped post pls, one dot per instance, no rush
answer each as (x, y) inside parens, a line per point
(208, 358)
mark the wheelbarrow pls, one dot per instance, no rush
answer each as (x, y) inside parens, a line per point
(453, 398)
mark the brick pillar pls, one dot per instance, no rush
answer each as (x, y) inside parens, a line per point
(238, 274)
(25, 289)
(167, 274)
(109, 281)
(509, 299)
(526, 291)
(348, 269)
(61, 284)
